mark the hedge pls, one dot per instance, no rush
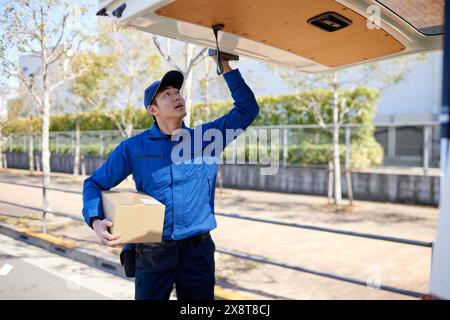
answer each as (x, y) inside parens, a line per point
(314, 147)
(362, 155)
(275, 110)
(365, 154)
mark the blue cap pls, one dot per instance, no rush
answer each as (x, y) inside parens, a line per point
(172, 78)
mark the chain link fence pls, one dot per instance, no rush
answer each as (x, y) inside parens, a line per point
(382, 145)
(410, 145)
(98, 143)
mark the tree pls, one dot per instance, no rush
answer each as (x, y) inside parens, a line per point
(4, 92)
(2, 141)
(381, 75)
(47, 31)
(138, 64)
(25, 107)
(88, 91)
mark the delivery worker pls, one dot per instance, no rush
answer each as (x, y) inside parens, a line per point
(185, 257)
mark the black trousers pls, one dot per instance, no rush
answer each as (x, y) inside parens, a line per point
(188, 264)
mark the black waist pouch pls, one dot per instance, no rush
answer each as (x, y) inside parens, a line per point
(128, 259)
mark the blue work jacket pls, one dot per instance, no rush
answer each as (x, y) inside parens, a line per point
(185, 188)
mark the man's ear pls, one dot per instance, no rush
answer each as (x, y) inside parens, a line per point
(152, 110)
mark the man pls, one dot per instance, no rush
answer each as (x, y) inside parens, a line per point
(185, 258)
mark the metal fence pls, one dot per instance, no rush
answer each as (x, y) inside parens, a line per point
(409, 145)
(100, 141)
(402, 145)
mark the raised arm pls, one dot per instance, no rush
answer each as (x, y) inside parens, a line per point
(245, 108)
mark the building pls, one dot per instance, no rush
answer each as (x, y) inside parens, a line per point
(418, 97)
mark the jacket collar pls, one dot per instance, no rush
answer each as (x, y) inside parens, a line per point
(156, 133)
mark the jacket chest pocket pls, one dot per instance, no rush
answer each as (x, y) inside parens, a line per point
(155, 167)
(148, 162)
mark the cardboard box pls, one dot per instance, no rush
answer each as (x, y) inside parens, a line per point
(138, 217)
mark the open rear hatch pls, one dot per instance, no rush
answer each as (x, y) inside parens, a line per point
(305, 35)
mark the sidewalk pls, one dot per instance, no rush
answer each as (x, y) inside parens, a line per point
(39, 274)
(393, 264)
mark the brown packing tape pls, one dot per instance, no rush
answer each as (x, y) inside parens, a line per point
(141, 199)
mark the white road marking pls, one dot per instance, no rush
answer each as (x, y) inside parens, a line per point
(6, 269)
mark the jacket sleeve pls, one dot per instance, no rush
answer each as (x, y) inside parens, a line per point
(107, 176)
(245, 108)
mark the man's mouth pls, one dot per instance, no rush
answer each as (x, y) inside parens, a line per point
(179, 106)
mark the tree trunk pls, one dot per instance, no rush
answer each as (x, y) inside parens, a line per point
(336, 160)
(76, 159)
(30, 149)
(45, 156)
(207, 94)
(187, 86)
(129, 129)
(1, 150)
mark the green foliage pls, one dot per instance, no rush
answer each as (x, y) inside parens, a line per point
(94, 149)
(89, 87)
(279, 110)
(22, 125)
(313, 146)
(92, 120)
(19, 148)
(85, 149)
(364, 154)
(293, 109)
(306, 146)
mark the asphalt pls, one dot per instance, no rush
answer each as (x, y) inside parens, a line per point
(31, 273)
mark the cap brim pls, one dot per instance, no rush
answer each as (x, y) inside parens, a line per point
(172, 78)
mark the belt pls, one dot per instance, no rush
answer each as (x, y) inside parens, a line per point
(191, 241)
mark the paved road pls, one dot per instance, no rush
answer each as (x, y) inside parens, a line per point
(39, 274)
(391, 264)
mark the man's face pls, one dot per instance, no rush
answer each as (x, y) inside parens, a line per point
(168, 104)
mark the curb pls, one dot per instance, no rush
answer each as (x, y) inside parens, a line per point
(74, 251)
(63, 247)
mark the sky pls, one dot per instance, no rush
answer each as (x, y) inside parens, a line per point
(419, 93)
